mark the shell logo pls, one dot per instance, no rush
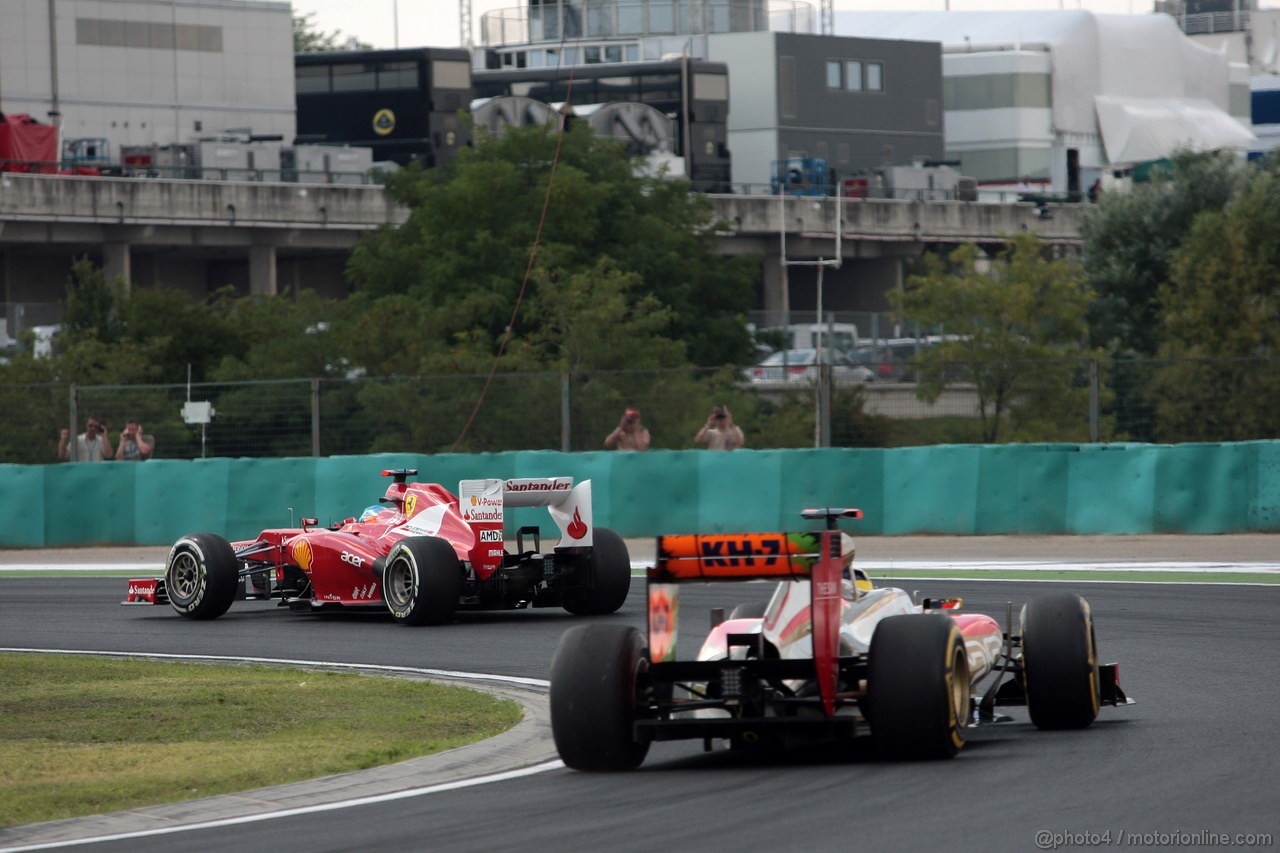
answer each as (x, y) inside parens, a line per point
(302, 553)
(410, 504)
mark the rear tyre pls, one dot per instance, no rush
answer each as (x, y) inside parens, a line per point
(1059, 661)
(201, 576)
(594, 697)
(608, 577)
(918, 687)
(422, 581)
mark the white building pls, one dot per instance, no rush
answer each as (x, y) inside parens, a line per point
(140, 72)
(1061, 97)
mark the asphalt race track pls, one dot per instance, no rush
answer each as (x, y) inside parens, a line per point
(1197, 754)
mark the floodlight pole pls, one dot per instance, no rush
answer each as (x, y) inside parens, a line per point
(822, 392)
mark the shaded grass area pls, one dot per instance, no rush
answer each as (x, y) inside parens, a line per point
(82, 735)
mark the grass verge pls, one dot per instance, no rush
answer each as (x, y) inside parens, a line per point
(82, 735)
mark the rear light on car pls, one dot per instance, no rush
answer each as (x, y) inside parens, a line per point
(797, 371)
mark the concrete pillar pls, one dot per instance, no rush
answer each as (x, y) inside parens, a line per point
(777, 299)
(262, 270)
(117, 264)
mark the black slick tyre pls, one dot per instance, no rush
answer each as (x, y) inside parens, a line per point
(594, 697)
(608, 577)
(201, 576)
(1059, 661)
(422, 581)
(918, 687)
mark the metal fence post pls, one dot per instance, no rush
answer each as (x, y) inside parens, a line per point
(72, 444)
(565, 415)
(1094, 400)
(315, 417)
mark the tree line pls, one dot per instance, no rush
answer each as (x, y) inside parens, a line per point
(537, 252)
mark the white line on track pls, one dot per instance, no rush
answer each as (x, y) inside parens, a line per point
(322, 807)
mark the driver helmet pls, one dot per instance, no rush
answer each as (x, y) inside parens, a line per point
(371, 513)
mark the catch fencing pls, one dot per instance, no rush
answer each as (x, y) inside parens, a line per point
(1080, 401)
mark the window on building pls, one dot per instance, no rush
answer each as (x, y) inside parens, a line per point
(875, 76)
(450, 74)
(853, 75)
(398, 75)
(354, 77)
(834, 78)
(710, 87)
(311, 78)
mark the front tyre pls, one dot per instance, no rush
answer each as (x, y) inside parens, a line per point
(608, 577)
(422, 581)
(595, 698)
(1059, 661)
(918, 686)
(201, 576)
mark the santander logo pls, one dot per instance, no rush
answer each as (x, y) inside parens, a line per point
(576, 529)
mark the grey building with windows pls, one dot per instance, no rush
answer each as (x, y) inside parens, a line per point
(856, 103)
(142, 72)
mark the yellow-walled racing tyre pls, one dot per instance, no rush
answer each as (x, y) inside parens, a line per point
(594, 697)
(918, 687)
(201, 576)
(422, 581)
(1059, 661)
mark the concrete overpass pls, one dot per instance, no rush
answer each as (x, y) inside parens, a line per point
(199, 236)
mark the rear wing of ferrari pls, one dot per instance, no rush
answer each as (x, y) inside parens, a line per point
(812, 556)
(483, 504)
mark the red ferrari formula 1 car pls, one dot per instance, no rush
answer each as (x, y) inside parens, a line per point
(827, 658)
(423, 555)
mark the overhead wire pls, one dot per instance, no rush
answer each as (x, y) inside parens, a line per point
(537, 236)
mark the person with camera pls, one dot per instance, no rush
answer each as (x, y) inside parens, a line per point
(630, 433)
(134, 446)
(720, 432)
(93, 446)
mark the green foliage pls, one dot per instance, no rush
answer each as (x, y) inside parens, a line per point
(1131, 238)
(308, 39)
(1221, 308)
(90, 304)
(473, 236)
(1010, 331)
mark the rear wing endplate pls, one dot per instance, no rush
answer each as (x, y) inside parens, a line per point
(813, 557)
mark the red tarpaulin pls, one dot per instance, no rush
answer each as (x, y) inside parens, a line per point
(26, 145)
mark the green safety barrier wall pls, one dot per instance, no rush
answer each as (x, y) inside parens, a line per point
(955, 489)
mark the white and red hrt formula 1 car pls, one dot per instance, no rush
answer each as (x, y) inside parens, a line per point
(829, 657)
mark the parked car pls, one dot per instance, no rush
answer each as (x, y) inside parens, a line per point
(894, 359)
(800, 366)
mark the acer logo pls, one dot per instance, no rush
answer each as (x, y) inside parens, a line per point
(348, 557)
